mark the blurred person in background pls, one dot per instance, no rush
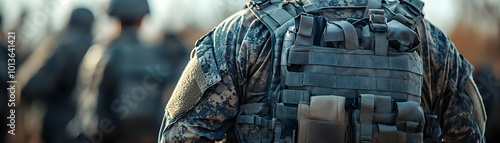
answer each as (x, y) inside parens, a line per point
(55, 81)
(487, 77)
(38, 23)
(191, 19)
(488, 83)
(130, 79)
(177, 54)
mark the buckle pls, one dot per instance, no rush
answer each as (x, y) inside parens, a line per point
(257, 120)
(310, 8)
(263, 122)
(378, 20)
(258, 4)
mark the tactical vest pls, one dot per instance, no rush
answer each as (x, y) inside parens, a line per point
(340, 74)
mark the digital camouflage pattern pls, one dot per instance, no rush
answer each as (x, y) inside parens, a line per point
(236, 61)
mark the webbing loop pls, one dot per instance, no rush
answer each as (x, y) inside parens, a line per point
(378, 24)
(305, 31)
(366, 116)
(350, 34)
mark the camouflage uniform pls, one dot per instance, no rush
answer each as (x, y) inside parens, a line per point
(235, 61)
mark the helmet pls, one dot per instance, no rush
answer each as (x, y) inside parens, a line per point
(81, 17)
(130, 12)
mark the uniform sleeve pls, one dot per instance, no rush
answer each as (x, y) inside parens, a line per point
(447, 75)
(219, 76)
(203, 102)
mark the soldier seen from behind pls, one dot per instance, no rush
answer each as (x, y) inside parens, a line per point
(326, 71)
(131, 90)
(178, 55)
(55, 81)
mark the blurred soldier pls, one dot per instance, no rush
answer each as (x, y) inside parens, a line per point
(487, 78)
(134, 75)
(177, 54)
(489, 87)
(56, 80)
(380, 68)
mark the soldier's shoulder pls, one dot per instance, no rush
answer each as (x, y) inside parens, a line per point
(445, 57)
(436, 38)
(228, 28)
(224, 40)
(215, 49)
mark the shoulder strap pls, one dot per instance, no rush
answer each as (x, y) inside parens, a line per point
(415, 6)
(270, 12)
(274, 14)
(413, 10)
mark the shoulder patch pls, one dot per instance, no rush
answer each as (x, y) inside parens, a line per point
(201, 73)
(478, 106)
(188, 90)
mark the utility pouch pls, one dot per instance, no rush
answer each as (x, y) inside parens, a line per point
(380, 119)
(324, 120)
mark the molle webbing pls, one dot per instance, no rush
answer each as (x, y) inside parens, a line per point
(352, 82)
(361, 71)
(335, 57)
(353, 72)
(370, 57)
(295, 96)
(387, 79)
(256, 120)
(378, 23)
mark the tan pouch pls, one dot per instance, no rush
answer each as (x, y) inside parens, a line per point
(324, 120)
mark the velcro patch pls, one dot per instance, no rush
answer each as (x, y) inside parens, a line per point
(188, 90)
(478, 107)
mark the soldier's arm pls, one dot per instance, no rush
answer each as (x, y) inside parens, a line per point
(203, 102)
(457, 103)
(196, 115)
(44, 83)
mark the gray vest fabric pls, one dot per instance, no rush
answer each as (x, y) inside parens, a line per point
(348, 77)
